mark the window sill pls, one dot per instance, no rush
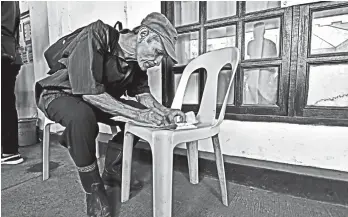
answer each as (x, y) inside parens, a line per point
(277, 118)
(287, 119)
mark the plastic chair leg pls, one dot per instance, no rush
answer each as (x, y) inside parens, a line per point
(192, 158)
(97, 151)
(46, 149)
(162, 163)
(220, 168)
(126, 166)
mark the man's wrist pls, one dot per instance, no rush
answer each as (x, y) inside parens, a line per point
(129, 112)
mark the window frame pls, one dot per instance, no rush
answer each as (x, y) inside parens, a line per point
(293, 82)
(306, 59)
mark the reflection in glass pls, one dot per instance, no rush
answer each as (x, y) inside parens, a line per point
(223, 82)
(330, 31)
(218, 9)
(186, 47)
(252, 6)
(221, 37)
(262, 39)
(191, 92)
(328, 85)
(260, 86)
(186, 12)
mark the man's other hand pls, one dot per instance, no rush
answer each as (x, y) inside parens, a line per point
(171, 114)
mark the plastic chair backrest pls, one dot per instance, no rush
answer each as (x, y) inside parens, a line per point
(212, 62)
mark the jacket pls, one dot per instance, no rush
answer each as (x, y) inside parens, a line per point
(10, 20)
(93, 66)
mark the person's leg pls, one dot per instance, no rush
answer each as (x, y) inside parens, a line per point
(81, 130)
(9, 116)
(112, 174)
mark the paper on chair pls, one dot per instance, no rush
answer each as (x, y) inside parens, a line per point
(190, 124)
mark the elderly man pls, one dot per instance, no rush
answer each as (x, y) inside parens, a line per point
(101, 66)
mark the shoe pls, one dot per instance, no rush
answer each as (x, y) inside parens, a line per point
(97, 202)
(11, 159)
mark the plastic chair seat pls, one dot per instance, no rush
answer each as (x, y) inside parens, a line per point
(203, 131)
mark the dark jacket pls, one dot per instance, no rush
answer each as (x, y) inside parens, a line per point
(10, 20)
(93, 66)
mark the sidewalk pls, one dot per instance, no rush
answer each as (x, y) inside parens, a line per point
(24, 194)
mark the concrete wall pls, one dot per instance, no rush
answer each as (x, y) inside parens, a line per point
(304, 145)
(316, 146)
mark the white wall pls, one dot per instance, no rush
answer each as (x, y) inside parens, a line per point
(305, 145)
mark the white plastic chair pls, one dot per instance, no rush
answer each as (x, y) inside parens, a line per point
(162, 142)
(109, 130)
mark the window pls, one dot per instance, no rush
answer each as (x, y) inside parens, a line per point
(322, 69)
(294, 59)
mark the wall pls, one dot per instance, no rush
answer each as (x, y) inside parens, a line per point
(25, 103)
(305, 145)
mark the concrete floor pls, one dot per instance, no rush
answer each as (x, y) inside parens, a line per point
(24, 194)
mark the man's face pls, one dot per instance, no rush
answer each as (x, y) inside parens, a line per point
(150, 51)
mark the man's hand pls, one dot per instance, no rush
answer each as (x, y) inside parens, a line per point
(150, 102)
(153, 116)
(171, 114)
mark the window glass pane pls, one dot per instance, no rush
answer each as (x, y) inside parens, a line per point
(223, 82)
(186, 12)
(191, 92)
(262, 39)
(260, 86)
(221, 37)
(187, 47)
(218, 9)
(252, 6)
(328, 85)
(330, 31)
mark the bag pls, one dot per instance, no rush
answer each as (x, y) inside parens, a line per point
(55, 52)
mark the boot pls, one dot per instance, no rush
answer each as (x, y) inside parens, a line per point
(96, 198)
(112, 174)
(97, 202)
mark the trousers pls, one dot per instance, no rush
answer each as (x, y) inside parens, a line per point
(9, 116)
(80, 120)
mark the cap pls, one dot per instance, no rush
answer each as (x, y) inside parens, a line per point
(159, 24)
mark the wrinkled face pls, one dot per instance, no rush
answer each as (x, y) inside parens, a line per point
(150, 50)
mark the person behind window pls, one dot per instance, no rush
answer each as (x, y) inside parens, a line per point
(262, 83)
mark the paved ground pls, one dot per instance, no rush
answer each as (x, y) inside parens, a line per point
(24, 194)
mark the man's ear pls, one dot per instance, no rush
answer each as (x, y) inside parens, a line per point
(142, 34)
